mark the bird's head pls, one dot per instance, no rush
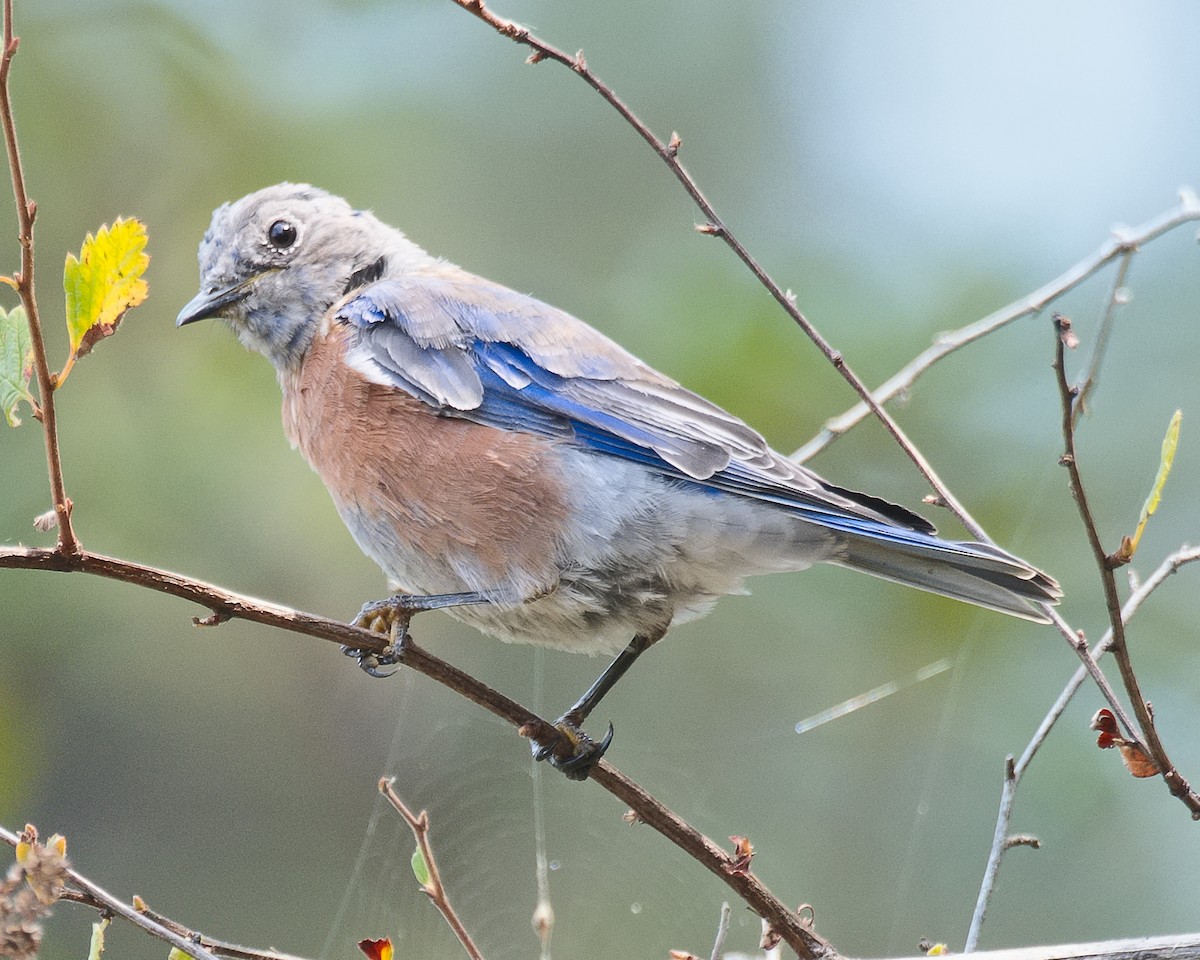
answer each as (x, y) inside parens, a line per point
(273, 263)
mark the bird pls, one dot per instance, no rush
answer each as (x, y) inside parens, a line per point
(502, 460)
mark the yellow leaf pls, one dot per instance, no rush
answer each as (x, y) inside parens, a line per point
(1170, 444)
(102, 283)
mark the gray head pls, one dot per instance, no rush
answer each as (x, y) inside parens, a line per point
(273, 263)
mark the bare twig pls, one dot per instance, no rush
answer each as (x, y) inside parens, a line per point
(1116, 297)
(227, 605)
(795, 932)
(220, 948)
(1178, 786)
(433, 888)
(718, 950)
(1014, 771)
(1185, 946)
(26, 213)
(1122, 244)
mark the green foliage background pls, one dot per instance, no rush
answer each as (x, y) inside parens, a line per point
(905, 168)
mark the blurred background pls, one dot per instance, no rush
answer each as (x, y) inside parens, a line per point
(905, 169)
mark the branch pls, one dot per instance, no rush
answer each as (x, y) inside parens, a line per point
(1116, 298)
(418, 823)
(1185, 946)
(1178, 786)
(26, 212)
(94, 896)
(226, 605)
(1121, 245)
(1014, 772)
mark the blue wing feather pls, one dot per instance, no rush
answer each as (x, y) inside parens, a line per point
(476, 350)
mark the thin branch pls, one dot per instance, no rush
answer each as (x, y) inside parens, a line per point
(715, 226)
(26, 213)
(1184, 946)
(999, 846)
(226, 605)
(433, 888)
(795, 931)
(1121, 244)
(1178, 786)
(1014, 772)
(220, 948)
(718, 950)
(1116, 298)
(100, 899)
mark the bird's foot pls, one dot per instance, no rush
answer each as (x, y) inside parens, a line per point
(389, 617)
(380, 664)
(571, 750)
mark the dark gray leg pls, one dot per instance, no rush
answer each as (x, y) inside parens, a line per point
(584, 751)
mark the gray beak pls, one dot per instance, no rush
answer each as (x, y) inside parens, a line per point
(211, 303)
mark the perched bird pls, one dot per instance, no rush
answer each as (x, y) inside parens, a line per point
(506, 461)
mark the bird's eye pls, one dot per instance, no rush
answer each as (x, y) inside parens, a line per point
(281, 234)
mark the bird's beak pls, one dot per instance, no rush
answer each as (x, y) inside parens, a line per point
(212, 303)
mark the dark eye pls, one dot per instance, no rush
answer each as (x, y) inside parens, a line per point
(281, 234)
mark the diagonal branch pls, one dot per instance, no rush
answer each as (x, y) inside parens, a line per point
(1122, 245)
(87, 892)
(226, 605)
(26, 212)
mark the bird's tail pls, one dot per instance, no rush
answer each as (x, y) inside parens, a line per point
(975, 572)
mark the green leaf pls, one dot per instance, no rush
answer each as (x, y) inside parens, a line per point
(1170, 444)
(97, 945)
(16, 363)
(420, 868)
(102, 283)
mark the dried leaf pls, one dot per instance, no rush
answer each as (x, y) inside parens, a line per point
(1106, 725)
(739, 861)
(1136, 760)
(377, 949)
(101, 284)
(16, 363)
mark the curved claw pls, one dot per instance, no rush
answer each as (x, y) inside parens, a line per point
(372, 663)
(584, 751)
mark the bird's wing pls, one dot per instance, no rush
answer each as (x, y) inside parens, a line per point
(478, 350)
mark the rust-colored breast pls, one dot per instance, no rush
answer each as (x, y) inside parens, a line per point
(452, 491)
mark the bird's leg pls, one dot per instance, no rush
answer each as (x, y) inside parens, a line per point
(574, 752)
(392, 616)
